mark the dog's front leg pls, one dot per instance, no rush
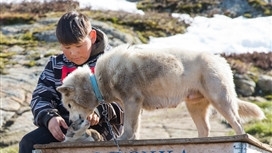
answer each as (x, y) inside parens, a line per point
(132, 120)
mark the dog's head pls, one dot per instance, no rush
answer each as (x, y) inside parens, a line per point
(77, 94)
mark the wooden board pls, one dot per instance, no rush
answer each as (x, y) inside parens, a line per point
(226, 144)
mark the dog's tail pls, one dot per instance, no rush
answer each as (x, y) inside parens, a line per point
(248, 110)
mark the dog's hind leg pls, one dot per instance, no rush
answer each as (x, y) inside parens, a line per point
(132, 119)
(199, 111)
(222, 96)
(218, 87)
(230, 113)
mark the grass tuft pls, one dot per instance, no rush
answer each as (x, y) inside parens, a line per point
(262, 129)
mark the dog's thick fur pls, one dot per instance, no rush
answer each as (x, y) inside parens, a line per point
(79, 131)
(145, 77)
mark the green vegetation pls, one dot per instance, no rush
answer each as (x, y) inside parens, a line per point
(262, 129)
(203, 7)
(4, 59)
(10, 149)
(15, 18)
(151, 24)
(25, 40)
(260, 5)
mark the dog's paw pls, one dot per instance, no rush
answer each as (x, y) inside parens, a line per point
(94, 134)
(67, 139)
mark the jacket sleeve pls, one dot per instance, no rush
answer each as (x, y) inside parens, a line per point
(115, 115)
(44, 98)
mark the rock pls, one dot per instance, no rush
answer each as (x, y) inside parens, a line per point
(238, 8)
(244, 85)
(16, 92)
(15, 49)
(47, 36)
(264, 84)
(257, 99)
(116, 37)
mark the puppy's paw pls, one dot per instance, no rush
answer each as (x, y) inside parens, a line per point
(94, 134)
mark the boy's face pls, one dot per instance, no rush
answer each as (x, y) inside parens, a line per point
(80, 52)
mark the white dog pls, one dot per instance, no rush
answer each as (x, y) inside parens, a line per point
(143, 77)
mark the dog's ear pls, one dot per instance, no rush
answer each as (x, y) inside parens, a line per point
(66, 90)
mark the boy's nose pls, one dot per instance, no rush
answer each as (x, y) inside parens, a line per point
(74, 52)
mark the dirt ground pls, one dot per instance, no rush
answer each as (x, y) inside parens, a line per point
(177, 123)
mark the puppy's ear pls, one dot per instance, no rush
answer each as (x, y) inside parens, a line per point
(65, 90)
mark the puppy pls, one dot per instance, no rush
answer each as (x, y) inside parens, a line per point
(79, 131)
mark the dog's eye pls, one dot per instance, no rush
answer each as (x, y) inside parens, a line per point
(69, 105)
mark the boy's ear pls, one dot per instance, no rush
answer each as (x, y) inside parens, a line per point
(93, 36)
(65, 90)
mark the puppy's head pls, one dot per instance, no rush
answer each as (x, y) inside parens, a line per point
(77, 130)
(77, 94)
(79, 125)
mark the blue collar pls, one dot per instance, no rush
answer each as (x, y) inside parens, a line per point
(96, 90)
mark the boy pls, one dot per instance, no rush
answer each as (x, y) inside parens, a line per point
(81, 44)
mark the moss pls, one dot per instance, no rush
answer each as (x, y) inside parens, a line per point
(15, 18)
(257, 2)
(262, 129)
(192, 8)
(150, 24)
(4, 59)
(10, 149)
(261, 6)
(247, 15)
(267, 12)
(24, 40)
(27, 36)
(50, 54)
(31, 63)
(141, 37)
(268, 97)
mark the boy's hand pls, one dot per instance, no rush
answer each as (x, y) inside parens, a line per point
(54, 125)
(93, 119)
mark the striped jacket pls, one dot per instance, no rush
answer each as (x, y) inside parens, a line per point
(46, 100)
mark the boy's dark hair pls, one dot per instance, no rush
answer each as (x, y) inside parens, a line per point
(72, 28)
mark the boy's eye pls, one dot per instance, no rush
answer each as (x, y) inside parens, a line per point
(66, 47)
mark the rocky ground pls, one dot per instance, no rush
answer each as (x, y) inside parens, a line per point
(177, 123)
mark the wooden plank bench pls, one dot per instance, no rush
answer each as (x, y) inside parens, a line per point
(227, 144)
